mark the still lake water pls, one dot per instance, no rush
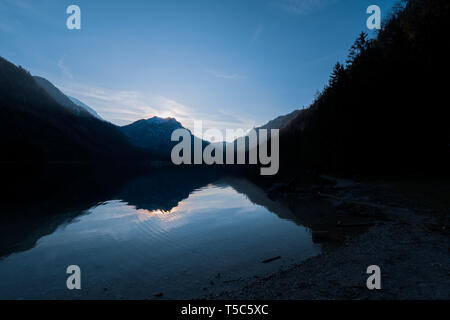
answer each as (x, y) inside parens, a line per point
(193, 247)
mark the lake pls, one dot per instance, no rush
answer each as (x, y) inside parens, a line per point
(153, 235)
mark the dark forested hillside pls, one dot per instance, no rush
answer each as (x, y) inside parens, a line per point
(281, 121)
(35, 127)
(385, 109)
(60, 97)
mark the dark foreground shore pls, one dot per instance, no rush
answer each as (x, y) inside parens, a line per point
(400, 225)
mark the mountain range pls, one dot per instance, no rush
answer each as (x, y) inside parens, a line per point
(155, 134)
(381, 111)
(52, 126)
(41, 123)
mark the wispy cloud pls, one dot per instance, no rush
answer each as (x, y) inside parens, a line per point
(222, 75)
(118, 106)
(257, 33)
(303, 6)
(64, 69)
(125, 106)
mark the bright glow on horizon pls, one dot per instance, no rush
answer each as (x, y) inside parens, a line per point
(231, 64)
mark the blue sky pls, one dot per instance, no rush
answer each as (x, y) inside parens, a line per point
(230, 63)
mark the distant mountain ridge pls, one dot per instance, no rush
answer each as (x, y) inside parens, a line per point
(277, 123)
(281, 121)
(43, 125)
(70, 103)
(85, 107)
(154, 134)
(59, 97)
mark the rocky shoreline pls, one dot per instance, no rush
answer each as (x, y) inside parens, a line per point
(399, 225)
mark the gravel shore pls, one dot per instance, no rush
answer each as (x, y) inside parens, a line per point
(409, 241)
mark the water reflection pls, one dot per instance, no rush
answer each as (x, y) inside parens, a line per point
(171, 231)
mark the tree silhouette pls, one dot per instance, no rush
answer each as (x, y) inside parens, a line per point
(337, 74)
(382, 112)
(358, 48)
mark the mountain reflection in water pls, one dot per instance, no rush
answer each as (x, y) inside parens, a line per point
(173, 231)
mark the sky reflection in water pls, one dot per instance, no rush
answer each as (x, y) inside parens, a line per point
(125, 252)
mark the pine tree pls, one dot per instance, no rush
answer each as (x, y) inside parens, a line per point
(358, 48)
(336, 75)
